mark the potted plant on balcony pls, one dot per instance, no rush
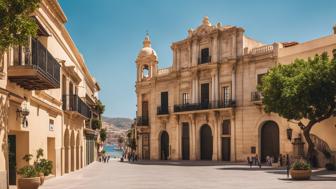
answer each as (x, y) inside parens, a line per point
(96, 124)
(301, 170)
(29, 176)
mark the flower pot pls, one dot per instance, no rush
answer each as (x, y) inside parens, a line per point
(300, 174)
(29, 183)
(41, 177)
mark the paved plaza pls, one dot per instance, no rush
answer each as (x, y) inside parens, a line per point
(181, 175)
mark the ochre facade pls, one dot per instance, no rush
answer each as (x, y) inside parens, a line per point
(206, 105)
(47, 99)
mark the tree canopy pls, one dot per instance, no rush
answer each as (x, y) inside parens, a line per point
(16, 23)
(305, 89)
(301, 90)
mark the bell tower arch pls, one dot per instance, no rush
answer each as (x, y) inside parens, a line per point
(146, 61)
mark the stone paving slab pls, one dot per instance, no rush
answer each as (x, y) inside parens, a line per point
(183, 175)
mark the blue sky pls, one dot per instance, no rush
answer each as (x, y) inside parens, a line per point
(109, 33)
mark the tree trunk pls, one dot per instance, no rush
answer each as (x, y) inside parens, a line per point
(311, 154)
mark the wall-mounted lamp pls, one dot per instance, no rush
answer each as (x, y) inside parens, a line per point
(23, 113)
(289, 133)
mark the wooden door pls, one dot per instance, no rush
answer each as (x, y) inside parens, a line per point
(185, 141)
(12, 159)
(226, 148)
(205, 95)
(164, 102)
(206, 143)
(270, 141)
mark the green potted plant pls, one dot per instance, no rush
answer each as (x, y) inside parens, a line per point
(29, 176)
(39, 154)
(300, 170)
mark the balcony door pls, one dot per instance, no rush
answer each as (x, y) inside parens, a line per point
(164, 102)
(205, 95)
(71, 97)
(185, 141)
(145, 109)
(205, 55)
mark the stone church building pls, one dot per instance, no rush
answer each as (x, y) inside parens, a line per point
(206, 105)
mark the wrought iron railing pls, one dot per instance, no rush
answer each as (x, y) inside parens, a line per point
(41, 59)
(142, 121)
(204, 105)
(161, 110)
(203, 60)
(256, 96)
(75, 103)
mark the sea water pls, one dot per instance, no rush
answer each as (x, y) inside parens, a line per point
(113, 150)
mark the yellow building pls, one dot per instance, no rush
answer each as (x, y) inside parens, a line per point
(206, 106)
(47, 100)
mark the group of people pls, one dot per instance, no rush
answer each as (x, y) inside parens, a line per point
(131, 156)
(282, 161)
(105, 158)
(254, 160)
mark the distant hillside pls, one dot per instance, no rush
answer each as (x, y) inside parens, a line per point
(116, 127)
(118, 122)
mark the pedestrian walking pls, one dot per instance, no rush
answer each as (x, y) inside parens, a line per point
(248, 161)
(258, 160)
(287, 165)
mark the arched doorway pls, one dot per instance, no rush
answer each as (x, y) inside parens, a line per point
(66, 150)
(164, 141)
(269, 141)
(206, 142)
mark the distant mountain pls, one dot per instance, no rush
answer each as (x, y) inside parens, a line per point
(119, 122)
(116, 127)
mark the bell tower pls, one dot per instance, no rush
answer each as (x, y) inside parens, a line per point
(146, 61)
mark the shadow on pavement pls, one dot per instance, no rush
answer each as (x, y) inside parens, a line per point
(183, 163)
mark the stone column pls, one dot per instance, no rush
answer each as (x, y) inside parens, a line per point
(193, 91)
(233, 138)
(219, 137)
(214, 135)
(214, 50)
(192, 137)
(213, 86)
(216, 86)
(62, 160)
(233, 84)
(196, 92)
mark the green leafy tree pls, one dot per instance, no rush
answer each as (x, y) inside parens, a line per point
(16, 23)
(103, 135)
(100, 107)
(303, 91)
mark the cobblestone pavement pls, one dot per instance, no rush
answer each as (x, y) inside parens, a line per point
(182, 175)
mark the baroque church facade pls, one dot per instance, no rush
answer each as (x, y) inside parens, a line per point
(206, 105)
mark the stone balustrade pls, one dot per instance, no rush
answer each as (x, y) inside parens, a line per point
(262, 50)
(164, 71)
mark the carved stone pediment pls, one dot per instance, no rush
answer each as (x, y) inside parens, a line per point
(204, 29)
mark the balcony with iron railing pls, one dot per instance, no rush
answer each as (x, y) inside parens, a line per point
(256, 96)
(161, 110)
(142, 121)
(34, 68)
(73, 103)
(204, 105)
(204, 60)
